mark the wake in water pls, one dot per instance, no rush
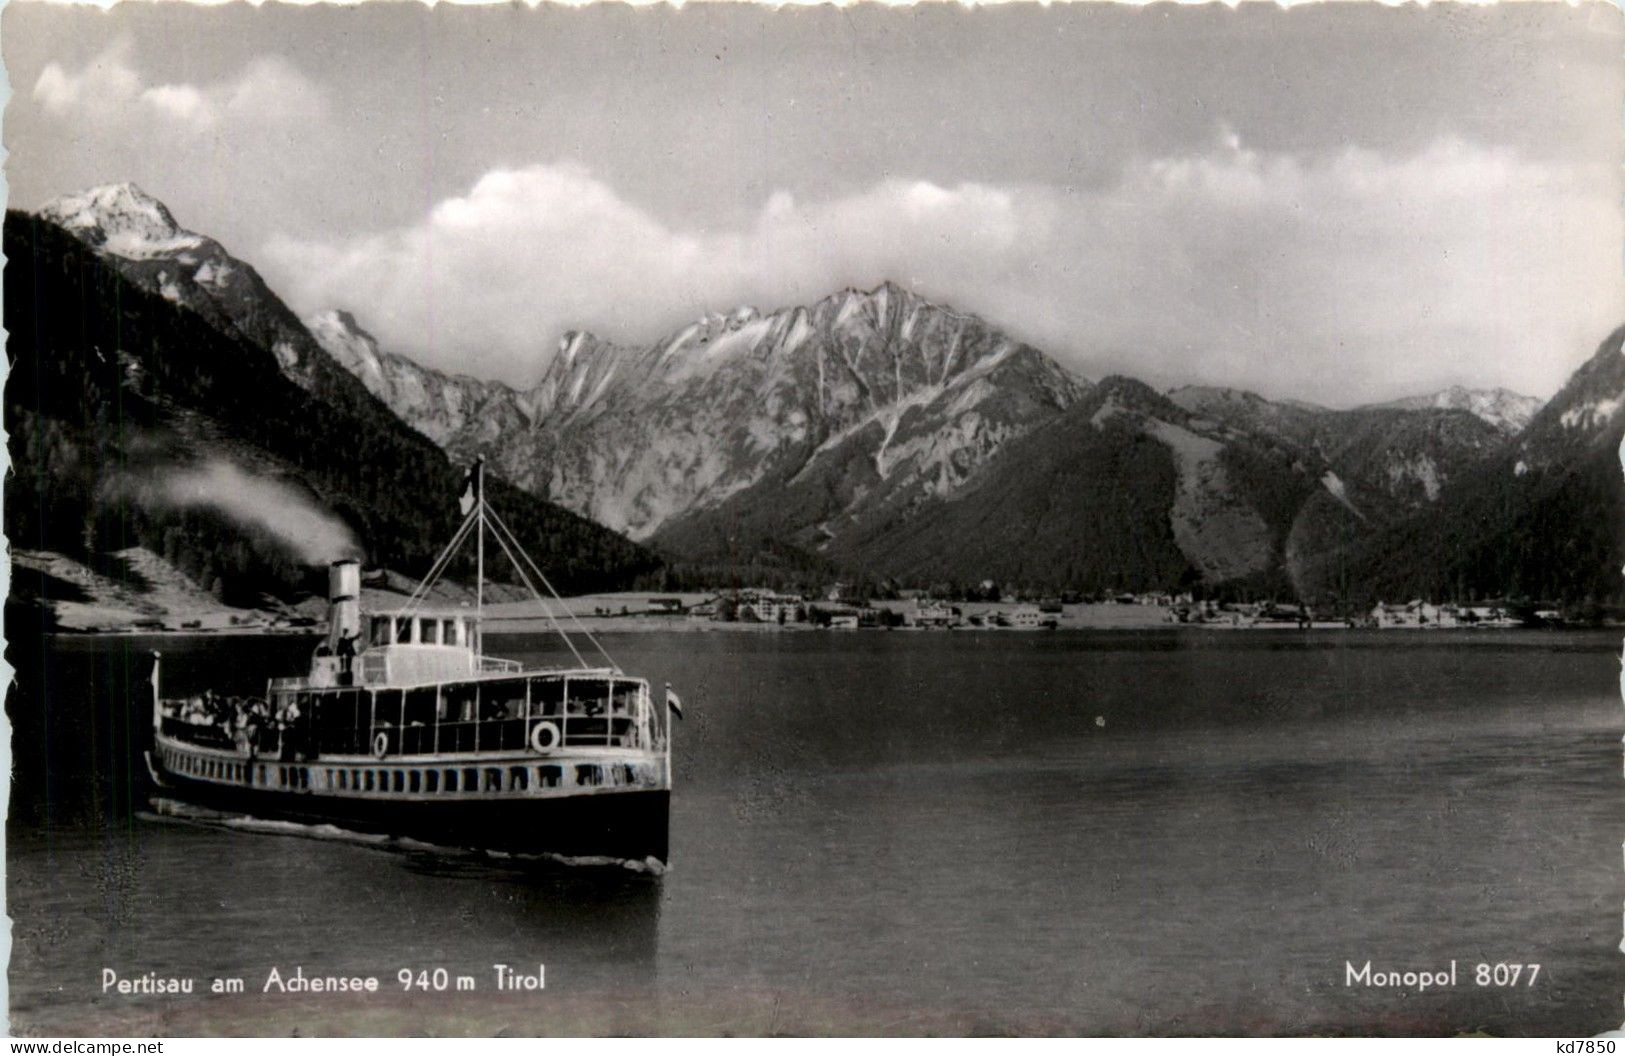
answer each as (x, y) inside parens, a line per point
(171, 810)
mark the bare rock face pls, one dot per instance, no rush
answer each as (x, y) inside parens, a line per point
(1505, 410)
(639, 437)
(452, 410)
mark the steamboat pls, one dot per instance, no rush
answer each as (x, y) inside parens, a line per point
(402, 726)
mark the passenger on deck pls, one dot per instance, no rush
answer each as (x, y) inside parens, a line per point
(288, 726)
(346, 654)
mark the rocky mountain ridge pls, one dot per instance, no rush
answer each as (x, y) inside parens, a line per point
(1508, 411)
(638, 437)
(875, 433)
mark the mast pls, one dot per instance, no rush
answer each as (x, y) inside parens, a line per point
(479, 536)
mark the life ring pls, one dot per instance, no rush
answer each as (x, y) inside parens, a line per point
(380, 745)
(544, 737)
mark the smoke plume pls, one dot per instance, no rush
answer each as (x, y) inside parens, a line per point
(281, 510)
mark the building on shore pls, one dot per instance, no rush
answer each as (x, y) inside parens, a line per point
(932, 614)
(1024, 617)
(1420, 613)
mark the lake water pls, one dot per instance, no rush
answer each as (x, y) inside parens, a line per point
(897, 833)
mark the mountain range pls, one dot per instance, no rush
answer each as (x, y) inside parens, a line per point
(162, 397)
(875, 435)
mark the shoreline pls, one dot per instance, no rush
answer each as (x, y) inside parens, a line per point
(511, 626)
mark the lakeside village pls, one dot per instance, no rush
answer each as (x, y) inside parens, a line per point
(917, 610)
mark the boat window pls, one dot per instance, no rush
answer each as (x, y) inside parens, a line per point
(518, 778)
(417, 733)
(587, 774)
(471, 779)
(403, 629)
(493, 779)
(386, 708)
(451, 780)
(414, 781)
(304, 777)
(546, 695)
(380, 631)
(400, 781)
(369, 780)
(549, 776)
(461, 698)
(344, 782)
(429, 631)
(262, 775)
(625, 700)
(448, 632)
(503, 699)
(431, 781)
(340, 719)
(355, 780)
(588, 696)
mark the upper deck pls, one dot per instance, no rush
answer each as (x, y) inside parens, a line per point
(402, 648)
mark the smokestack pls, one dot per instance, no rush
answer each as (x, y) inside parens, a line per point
(343, 600)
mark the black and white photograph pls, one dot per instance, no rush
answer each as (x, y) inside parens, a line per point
(726, 520)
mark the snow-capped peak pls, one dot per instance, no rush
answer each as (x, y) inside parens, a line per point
(121, 219)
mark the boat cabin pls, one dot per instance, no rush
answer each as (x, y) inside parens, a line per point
(586, 708)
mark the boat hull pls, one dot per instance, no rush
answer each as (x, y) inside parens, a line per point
(626, 824)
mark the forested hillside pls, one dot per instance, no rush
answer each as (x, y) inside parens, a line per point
(112, 386)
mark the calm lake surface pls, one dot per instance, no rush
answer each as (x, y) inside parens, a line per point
(899, 833)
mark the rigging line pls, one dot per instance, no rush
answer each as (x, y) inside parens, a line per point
(446, 555)
(420, 593)
(546, 608)
(543, 577)
(500, 523)
(440, 562)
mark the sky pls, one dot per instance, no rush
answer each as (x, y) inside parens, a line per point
(1334, 202)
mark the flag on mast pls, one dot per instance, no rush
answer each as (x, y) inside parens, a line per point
(673, 702)
(471, 487)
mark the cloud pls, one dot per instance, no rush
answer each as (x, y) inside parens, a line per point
(105, 78)
(182, 102)
(1348, 276)
(108, 90)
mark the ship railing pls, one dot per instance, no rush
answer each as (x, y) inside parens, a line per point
(486, 735)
